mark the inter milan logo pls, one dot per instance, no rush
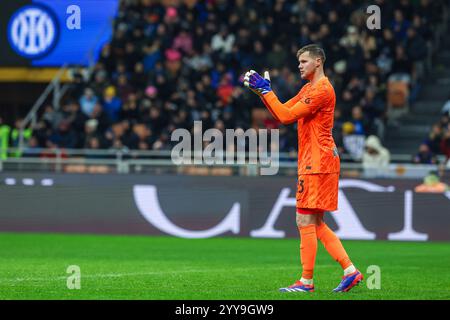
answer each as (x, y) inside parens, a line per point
(33, 31)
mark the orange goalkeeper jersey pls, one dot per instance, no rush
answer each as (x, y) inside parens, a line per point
(313, 109)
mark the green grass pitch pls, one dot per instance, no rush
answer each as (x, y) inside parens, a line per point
(33, 266)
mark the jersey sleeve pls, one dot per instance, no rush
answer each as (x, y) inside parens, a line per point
(309, 104)
(289, 104)
(270, 110)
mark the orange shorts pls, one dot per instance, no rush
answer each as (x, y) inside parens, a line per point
(318, 192)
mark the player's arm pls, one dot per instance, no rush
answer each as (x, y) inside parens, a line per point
(291, 102)
(261, 86)
(268, 108)
(264, 86)
(286, 114)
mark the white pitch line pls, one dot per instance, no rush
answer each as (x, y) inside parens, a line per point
(174, 272)
(119, 275)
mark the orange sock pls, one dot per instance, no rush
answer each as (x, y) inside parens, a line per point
(333, 245)
(308, 249)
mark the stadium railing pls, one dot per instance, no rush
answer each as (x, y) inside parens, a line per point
(126, 161)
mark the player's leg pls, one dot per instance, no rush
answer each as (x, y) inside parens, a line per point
(335, 248)
(307, 221)
(329, 239)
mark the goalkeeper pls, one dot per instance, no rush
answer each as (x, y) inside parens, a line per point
(318, 163)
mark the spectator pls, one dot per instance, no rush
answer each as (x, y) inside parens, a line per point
(31, 148)
(354, 91)
(93, 143)
(4, 139)
(355, 55)
(445, 120)
(51, 116)
(434, 139)
(90, 131)
(14, 139)
(359, 121)
(111, 103)
(375, 158)
(124, 89)
(400, 25)
(416, 47)
(425, 156)
(101, 117)
(353, 143)
(387, 42)
(183, 42)
(115, 136)
(401, 67)
(88, 101)
(445, 144)
(171, 65)
(225, 89)
(446, 107)
(258, 59)
(64, 137)
(374, 109)
(277, 57)
(223, 41)
(152, 54)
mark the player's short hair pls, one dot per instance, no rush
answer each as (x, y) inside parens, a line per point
(314, 50)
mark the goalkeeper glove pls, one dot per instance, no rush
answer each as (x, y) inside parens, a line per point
(256, 83)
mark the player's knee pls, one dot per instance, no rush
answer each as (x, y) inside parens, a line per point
(305, 219)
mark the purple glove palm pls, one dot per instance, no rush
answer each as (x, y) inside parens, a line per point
(256, 83)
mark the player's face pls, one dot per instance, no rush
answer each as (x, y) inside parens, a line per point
(307, 65)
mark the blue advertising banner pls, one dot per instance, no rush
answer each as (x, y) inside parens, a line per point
(48, 33)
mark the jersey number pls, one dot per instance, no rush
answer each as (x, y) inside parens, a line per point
(301, 186)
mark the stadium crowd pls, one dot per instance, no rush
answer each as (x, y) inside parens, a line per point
(438, 140)
(167, 66)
